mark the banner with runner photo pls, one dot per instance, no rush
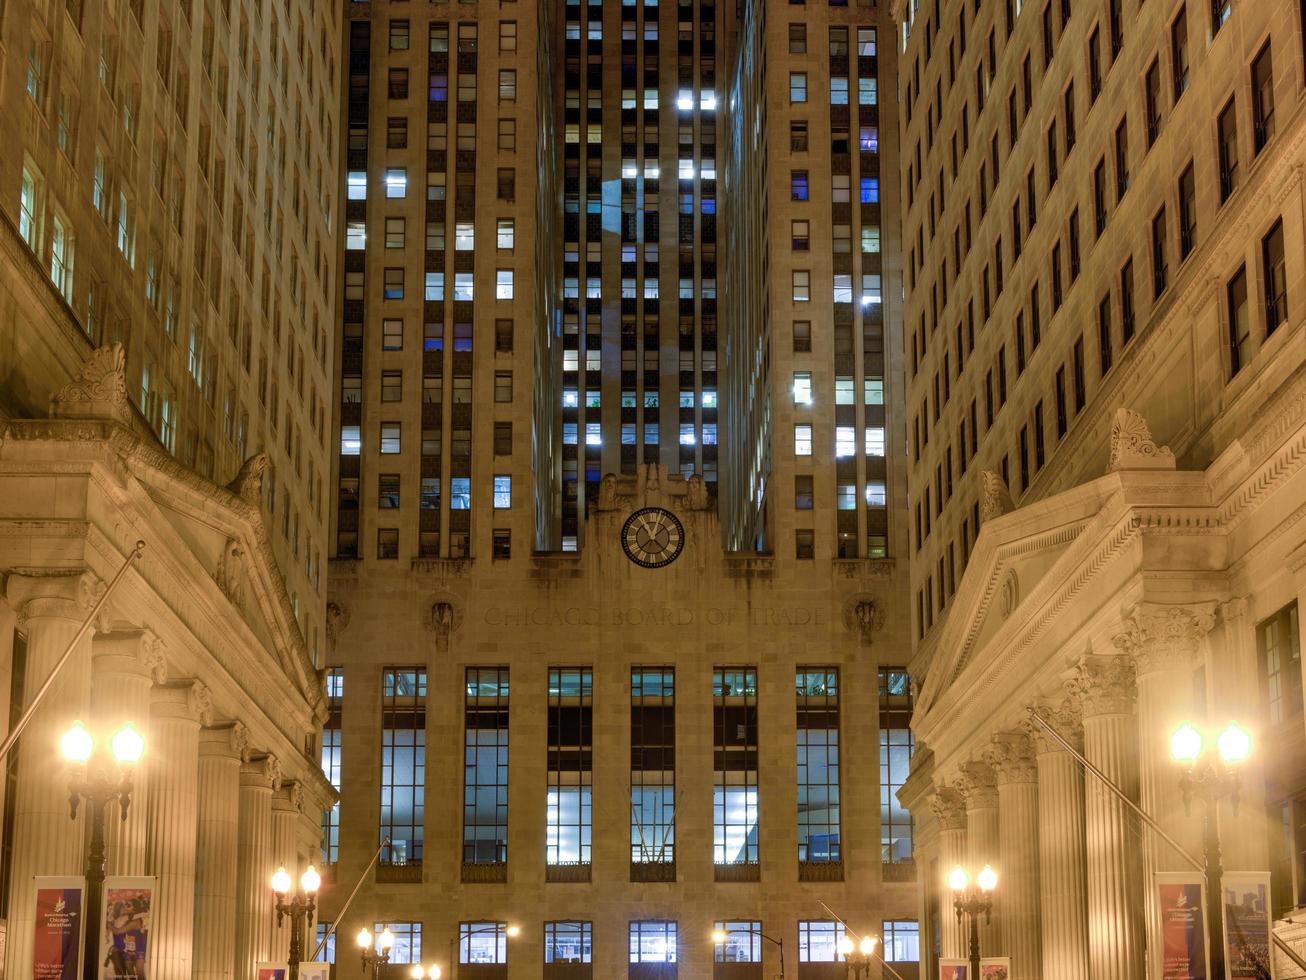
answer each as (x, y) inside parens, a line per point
(128, 905)
(954, 970)
(1247, 925)
(315, 971)
(995, 968)
(1181, 901)
(56, 953)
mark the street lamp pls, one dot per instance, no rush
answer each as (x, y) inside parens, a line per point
(1212, 779)
(375, 953)
(970, 901)
(511, 931)
(299, 908)
(859, 956)
(98, 785)
(720, 936)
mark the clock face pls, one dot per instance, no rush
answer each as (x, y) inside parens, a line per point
(652, 537)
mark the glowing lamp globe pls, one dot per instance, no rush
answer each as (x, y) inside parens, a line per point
(1186, 744)
(76, 745)
(364, 939)
(310, 881)
(958, 880)
(868, 945)
(281, 881)
(127, 746)
(987, 879)
(1234, 744)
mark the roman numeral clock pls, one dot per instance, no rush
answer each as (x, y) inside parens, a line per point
(652, 537)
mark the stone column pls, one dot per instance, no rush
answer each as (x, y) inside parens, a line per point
(983, 844)
(950, 816)
(254, 866)
(1233, 670)
(1105, 688)
(217, 851)
(1012, 760)
(286, 802)
(46, 842)
(177, 712)
(1163, 642)
(1063, 900)
(125, 664)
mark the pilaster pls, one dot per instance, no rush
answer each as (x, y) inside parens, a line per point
(254, 865)
(221, 751)
(950, 816)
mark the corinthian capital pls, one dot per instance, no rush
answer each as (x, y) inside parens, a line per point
(977, 785)
(949, 808)
(1065, 719)
(1164, 637)
(1103, 685)
(1011, 757)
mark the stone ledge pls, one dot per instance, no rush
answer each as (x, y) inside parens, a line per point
(737, 872)
(407, 874)
(820, 871)
(653, 871)
(482, 873)
(567, 873)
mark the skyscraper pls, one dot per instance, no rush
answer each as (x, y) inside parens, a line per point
(645, 721)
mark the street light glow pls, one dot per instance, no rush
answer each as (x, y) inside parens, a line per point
(513, 931)
(718, 936)
(364, 939)
(1234, 745)
(987, 879)
(868, 945)
(127, 746)
(281, 881)
(958, 880)
(845, 945)
(76, 744)
(1186, 744)
(310, 881)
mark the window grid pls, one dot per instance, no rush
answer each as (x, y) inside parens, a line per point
(652, 765)
(403, 763)
(735, 770)
(485, 779)
(571, 746)
(817, 691)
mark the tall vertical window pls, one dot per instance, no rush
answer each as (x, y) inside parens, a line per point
(1187, 211)
(1276, 278)
(1227, 131)
(896, 745)
(403, 762)
(1262, 98)
(1126, 303)
(818, 941)
(1179, 54)
(61, 257)
(652, 941)
(1152, 100)
(567, 942)
(335, 691)
(902, 940)
(652, 773)
(29, 210)
(571, 749)
(1160, 261)
(1278, 646)
(485, 773)
(1105, 347)
(1240, 337)
(817, 691)
(734, 793)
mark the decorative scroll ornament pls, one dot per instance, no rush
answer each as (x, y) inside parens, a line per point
(248, 484)
(442, 619)
(153, 656)
(1132, 446)
(995, 499)
(863, 616)
(240, 741)
(100, 390)
(1162, 637)
(272, 766)
(1010, 592)
(200, 701)
(607, 492)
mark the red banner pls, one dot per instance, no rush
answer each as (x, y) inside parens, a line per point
(1182, 907)
(56, 953)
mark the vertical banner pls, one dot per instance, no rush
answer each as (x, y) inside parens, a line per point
(56, 953)
(954, 970)
(272, 971)
(995, 968)
(1247, 953)
(1181, 899)
(128, 915)
(315, 971)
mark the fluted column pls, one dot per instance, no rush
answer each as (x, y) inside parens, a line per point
(1105, 687)
(176, 714)
(46, 842)
(217, 852)
(1163, 642)
(1012, 759)
(950, 816)
(1235, 674)
(982, 843)
(253, 865)
(1063, 899)
(125, 664)
(286, 803)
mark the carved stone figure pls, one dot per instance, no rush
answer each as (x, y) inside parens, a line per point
(996, 498)
(230, 573)
(1132, 446)
(441, 622)
(337, 620)
(99, 391)
(248, 484)
(608, 492)
(696, 493)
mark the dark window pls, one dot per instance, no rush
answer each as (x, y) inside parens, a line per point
(1160, 257)
(1061, 401)
(804, 544)
(1276, 278)
(1227, 128)
(1240, 337)
(1262, 98)
(1179, 54)
(1152, 94)
(1040, 453)
(1122, 158)
(1068, 103)
(1072, 234)
(387, 542)
(803, 492)
(1127, 301)
(398, 83)
(1187, 211)
(1099, 198)
(1077, 367)
(1105, 351)
(387, 492)
(1278, 647)
(1094, 63)
(1220, 10)
(1115, 16)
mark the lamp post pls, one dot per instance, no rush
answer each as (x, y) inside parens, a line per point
(859, 956)
(299, 908)
(375, 952)
(970, 901)
(720, 936)
(98, 785)
(512, 932)
(1212, 779)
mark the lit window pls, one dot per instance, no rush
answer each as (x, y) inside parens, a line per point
(870, 239)
(390, 438)
(506, 233)
(902, 940)
(351, 441)
(356, 235)
(462, 287)
(843, 391)
(802, 388)
(876, 495)
(568, 942)
(482, 943)
(61, 258)
(464, 236)
(707, 102)
(797, 86)
(871, 289)
(593, 434)
(843, 288)
(503, 284)
(873, 391)
(653, 942)
(709, 398)
(845, 441)
(396, 182)
(460, 493)
(818, 942)
(802, 440)
(29, 225)
(838, 90)
(356, 185)
(434, 286)
(570, 396)
(502, 492)
(685, 101)
(802, 286)
(743, 942)
(867, 91)
(687, 436)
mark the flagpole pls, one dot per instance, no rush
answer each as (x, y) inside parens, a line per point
(349, 901)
